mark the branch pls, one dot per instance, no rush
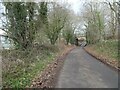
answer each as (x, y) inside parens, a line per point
(5, 30)
(111, 7)
(10, 37)
(118, 3)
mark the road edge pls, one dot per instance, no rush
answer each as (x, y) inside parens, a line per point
(102, 60)
(48, 77)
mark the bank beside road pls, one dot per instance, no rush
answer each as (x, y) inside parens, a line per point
(106, 52)
(48, 77)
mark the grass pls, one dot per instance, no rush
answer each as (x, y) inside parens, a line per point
(20, 67)
(108, 48)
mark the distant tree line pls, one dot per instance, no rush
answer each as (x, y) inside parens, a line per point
(101, 23)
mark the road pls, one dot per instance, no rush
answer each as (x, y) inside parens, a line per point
(81, 70)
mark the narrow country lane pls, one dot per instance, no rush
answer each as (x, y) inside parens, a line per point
(81, 70)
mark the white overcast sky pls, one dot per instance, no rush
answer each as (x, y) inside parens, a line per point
(76, 5)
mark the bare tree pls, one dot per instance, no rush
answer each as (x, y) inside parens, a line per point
(56, 21)
(94, 22)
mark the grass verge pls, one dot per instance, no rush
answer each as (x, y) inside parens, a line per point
(106, 51)
(20, 67)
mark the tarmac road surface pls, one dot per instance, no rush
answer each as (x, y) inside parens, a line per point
(81, 70)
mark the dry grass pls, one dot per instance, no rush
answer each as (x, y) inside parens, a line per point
(106, 52)
(19, 67)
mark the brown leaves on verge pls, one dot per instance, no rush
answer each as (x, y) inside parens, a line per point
(47, 78)
(102, 57)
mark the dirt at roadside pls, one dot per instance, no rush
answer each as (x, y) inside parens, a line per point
(48, 77)
(106, 60)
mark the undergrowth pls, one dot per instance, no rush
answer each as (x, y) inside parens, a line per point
(20, 67)
(108, 48)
